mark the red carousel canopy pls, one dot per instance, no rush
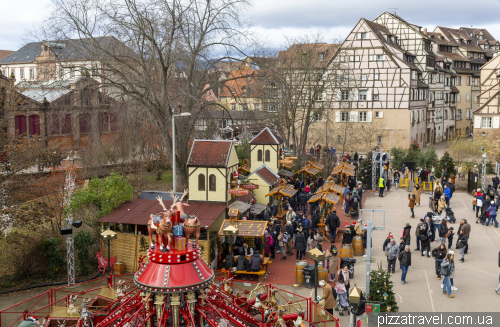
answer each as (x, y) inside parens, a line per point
(174, 272)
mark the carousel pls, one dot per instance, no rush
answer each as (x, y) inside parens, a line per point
(174, 287)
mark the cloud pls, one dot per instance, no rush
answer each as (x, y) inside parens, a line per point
(17, 16)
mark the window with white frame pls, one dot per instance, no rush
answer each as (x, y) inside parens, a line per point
(362, 95)
(346, 78)
(345, 95)
(320, 96)
(245, 107)
(486, 122)
(362, 116)
(353, 58)
(233, 107)
(458, 97)
(339, 139)
(344, 116)
(379, 140)
(364, 77)
(318, 117)
(257, 107)
(72, 72)
(321, 57)
(379, 57)
(364, 36)
(22, 73)
(32, 73)
(468, 97)
(376, 77)
(375, 97)
(342, 59)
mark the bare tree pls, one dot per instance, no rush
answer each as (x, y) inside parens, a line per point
(157, 54)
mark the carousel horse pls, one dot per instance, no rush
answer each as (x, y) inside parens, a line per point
(165, 226)
(154, 221)
(191, 223)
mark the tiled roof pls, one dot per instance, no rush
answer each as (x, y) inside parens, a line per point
(240, 81)
(292, 57)
(210, 153)
(266, 136)
(453, 56)
(266, 174)
(139, 210)
(68, 49)
(5, 53)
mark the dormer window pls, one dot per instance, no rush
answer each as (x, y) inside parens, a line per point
(460, 41)
(244, 91)
(468, 42)
(480, 37)
(321, 57)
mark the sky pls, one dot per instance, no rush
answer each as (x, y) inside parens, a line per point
(276, 20)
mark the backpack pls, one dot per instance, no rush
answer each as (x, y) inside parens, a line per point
(271, 241)
(491, 192)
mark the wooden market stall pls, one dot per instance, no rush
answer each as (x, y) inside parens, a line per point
(282, 191)
(343, 170)
(328, 196)
(316, 164)
(309, 170)
(245, 167)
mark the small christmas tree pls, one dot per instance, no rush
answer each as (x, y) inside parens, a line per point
(413, 153)
(365, 171)
(445, 164)
(380, 284)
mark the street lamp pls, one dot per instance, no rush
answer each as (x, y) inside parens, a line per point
(184, 114)
(109, 235)
(231, 231)
(316, 255)
(483, 169)
(483, 134)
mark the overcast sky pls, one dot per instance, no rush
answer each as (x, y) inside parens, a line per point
(275, 19)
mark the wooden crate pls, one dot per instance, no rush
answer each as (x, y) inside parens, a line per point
(119, 268)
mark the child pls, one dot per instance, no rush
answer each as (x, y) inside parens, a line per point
(387, 241)
(412, 204)
(450, 238)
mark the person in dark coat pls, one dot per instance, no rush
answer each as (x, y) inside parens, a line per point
(349, 233)
(303, 201)
(462, 239)
(439, 254)
(425, 240)
(496, 182)
(356, 157)
(242, 263)
(228, 261)
(405, 263)
(406, 234)
(300, 245)
(276, 233)
(316, 219)
(333, 223)
(320, 181)
(290, 230)
(274, 209)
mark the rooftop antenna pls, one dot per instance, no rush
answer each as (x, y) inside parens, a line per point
(394, 9)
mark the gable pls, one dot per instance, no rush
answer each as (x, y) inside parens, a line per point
(266, 174)
(210, 153)
(266, 136)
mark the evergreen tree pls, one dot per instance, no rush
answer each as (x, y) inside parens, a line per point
(365, 171)
(380, 283)
(445, 164)
(428, 158)
(413, 153)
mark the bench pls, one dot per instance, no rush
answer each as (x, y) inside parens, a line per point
(260, 274)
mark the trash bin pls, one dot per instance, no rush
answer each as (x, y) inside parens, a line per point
(309, 277)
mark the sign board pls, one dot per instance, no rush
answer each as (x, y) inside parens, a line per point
(238, 191)
(286, 161)
(233, 212)
(372, 310)
(250, 186)
(291, 157)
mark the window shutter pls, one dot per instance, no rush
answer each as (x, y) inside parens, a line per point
(477, 122)
(358, 36)
(380, 114)
(354, 116)
(339, 95)
(369, 116)
(496, 122)
(355, 95)
(337, 116)
(369, 95)
(370, 57)
(323, 96)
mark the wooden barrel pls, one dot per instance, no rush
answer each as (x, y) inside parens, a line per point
(322, 274)
(346, 251)
(357, 244)
(299, 275)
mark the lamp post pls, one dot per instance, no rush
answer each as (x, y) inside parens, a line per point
(355, 300)
(231, 231)
(483, 169)
(109, 235)
(390, 142)
(316, 255)
(184, 114)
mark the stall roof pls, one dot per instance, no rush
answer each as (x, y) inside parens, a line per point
(247, 228)
(257, 208)
(241, 206)
(139, 210)
(286, 173)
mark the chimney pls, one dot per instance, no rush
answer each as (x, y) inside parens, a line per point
(425, 31)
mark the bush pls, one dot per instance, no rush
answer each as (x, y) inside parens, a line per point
(51, 252)
(83, 245)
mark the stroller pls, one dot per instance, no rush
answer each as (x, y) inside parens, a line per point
(342, 300)
(450, 216)
(482, 218)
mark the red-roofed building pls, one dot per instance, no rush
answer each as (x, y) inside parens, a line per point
(265, 177)
(211, 165)
(266, 148)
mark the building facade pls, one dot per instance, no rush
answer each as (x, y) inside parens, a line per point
(487, 116)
